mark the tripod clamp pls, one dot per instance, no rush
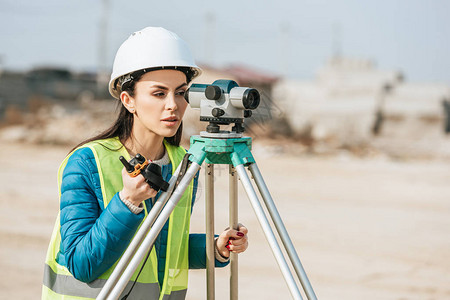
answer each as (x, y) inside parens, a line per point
(185, 163)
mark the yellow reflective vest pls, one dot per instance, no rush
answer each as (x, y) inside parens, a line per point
(59, 282)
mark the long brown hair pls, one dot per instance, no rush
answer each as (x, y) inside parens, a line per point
(122, 127)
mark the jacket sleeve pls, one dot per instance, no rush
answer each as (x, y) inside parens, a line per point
(197, 242)
(197, 252)
(92, 238)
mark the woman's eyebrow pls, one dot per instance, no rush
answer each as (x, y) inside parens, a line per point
(184, 84)
(166, 88)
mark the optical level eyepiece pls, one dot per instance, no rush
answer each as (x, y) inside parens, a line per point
(251, 99)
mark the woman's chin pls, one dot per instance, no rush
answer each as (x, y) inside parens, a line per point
(168, 132)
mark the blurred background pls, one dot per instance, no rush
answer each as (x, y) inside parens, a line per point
(353, 133)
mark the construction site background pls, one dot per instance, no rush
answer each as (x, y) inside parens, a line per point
(357, 160)
(350, 106)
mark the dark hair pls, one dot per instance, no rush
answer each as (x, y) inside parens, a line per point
(122, 127)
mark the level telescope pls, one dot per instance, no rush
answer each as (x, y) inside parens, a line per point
(223, 102)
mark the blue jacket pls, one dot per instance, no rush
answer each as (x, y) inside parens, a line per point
(93, 237)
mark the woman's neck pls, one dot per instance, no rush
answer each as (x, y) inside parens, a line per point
(146, 143)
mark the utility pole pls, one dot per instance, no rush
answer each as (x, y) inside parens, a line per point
(336, 46)
(102, 67)
(1, 64)
(210, 28)
(285, 30)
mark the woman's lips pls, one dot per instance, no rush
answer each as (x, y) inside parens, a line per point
(170, 121)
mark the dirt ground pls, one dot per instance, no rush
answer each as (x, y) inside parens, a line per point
(363, 228)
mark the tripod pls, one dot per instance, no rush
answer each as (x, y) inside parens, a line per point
(213, 148)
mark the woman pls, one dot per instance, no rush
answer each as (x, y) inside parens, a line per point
(101, 206)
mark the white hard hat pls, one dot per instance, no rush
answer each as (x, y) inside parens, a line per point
(151, 47)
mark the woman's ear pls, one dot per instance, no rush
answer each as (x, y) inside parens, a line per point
(128, 102)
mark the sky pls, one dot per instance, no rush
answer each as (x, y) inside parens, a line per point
(284, 38)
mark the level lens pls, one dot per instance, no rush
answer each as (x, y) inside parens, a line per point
(251, 99)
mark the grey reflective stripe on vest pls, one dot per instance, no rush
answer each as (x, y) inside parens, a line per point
(176, 295)
(68, 285)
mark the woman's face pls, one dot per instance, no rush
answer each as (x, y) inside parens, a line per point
(159, 101)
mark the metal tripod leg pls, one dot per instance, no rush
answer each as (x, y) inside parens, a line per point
(150, 238)
(210, 257)
(138, 238)
(268, 232)
(209, 210)
(233, 196)
(290, 249)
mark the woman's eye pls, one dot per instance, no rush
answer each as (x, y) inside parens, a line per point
(158, 94)
(181, 93)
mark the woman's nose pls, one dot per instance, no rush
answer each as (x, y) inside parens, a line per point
(171, 103)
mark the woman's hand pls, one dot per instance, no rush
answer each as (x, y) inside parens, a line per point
(135, 189)
(231, 240)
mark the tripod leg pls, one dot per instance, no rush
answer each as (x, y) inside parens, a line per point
(290, 249)
(209, 210)
(138, 238)
(268, 232)
(233, 195)
(150, 238)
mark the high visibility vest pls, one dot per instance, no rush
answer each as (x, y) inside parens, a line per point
(59, 282)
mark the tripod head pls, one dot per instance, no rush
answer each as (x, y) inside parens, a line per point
(222, 103)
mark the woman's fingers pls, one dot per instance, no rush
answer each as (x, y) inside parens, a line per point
(136, 188)
(233, 246)
(237, 239)
(242, 228)
(238, 242)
